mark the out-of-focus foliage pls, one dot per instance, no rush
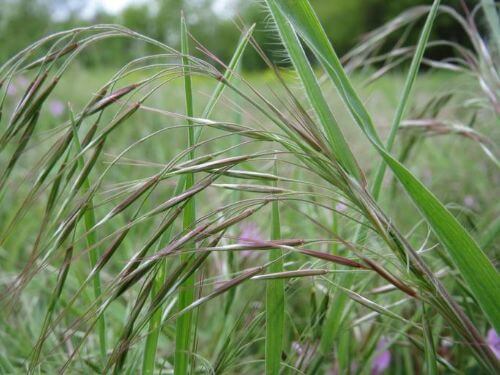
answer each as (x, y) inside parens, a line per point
(22, 21)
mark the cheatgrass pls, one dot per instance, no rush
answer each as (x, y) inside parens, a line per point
(180, 216)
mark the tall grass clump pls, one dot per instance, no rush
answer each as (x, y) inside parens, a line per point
(182, 217)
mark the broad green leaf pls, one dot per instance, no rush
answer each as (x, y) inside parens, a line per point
(472, 263)
(333, 320)
(299, 59)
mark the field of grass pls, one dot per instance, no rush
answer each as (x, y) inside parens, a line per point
(281, 262)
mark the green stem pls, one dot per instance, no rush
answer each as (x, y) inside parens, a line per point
(183, 329)
(405, 95)
(430, 351)
(148, 364)
(91, 240)
(155, 324)
(275, 300)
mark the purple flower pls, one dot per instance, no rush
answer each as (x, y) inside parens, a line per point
(56, 107)
(11, 90)
(493, 341)
(250, 234)
(22, 81)
(382, 359)
(305, 352)
(340, 207)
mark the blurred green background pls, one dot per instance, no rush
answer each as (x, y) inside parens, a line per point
(212, 22)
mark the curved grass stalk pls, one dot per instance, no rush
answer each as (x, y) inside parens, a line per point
(152, 340)
(308, 79)
(472, 263)
(146, 274)
(405, 95)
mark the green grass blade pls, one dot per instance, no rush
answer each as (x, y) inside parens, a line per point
(299, 59)
(275, 300)
(91, 238)
(148, 364)
(334, 318)
(214, 98)
(305, 22)
(430, 351)
(335, 137)
(231, 264)
(183, 329)
(472, 263)
(403, 102)
(54, 298)
(154, 328)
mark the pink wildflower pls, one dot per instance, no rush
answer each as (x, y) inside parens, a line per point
(56, 108)
(23, 82)
(250, 234)
(11, 90)
(340, 207)
(382, 359)
(493, 341)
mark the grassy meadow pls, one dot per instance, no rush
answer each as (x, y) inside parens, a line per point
(181, 216)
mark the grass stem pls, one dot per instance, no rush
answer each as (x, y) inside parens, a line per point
(275, 298)
(183, 329)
